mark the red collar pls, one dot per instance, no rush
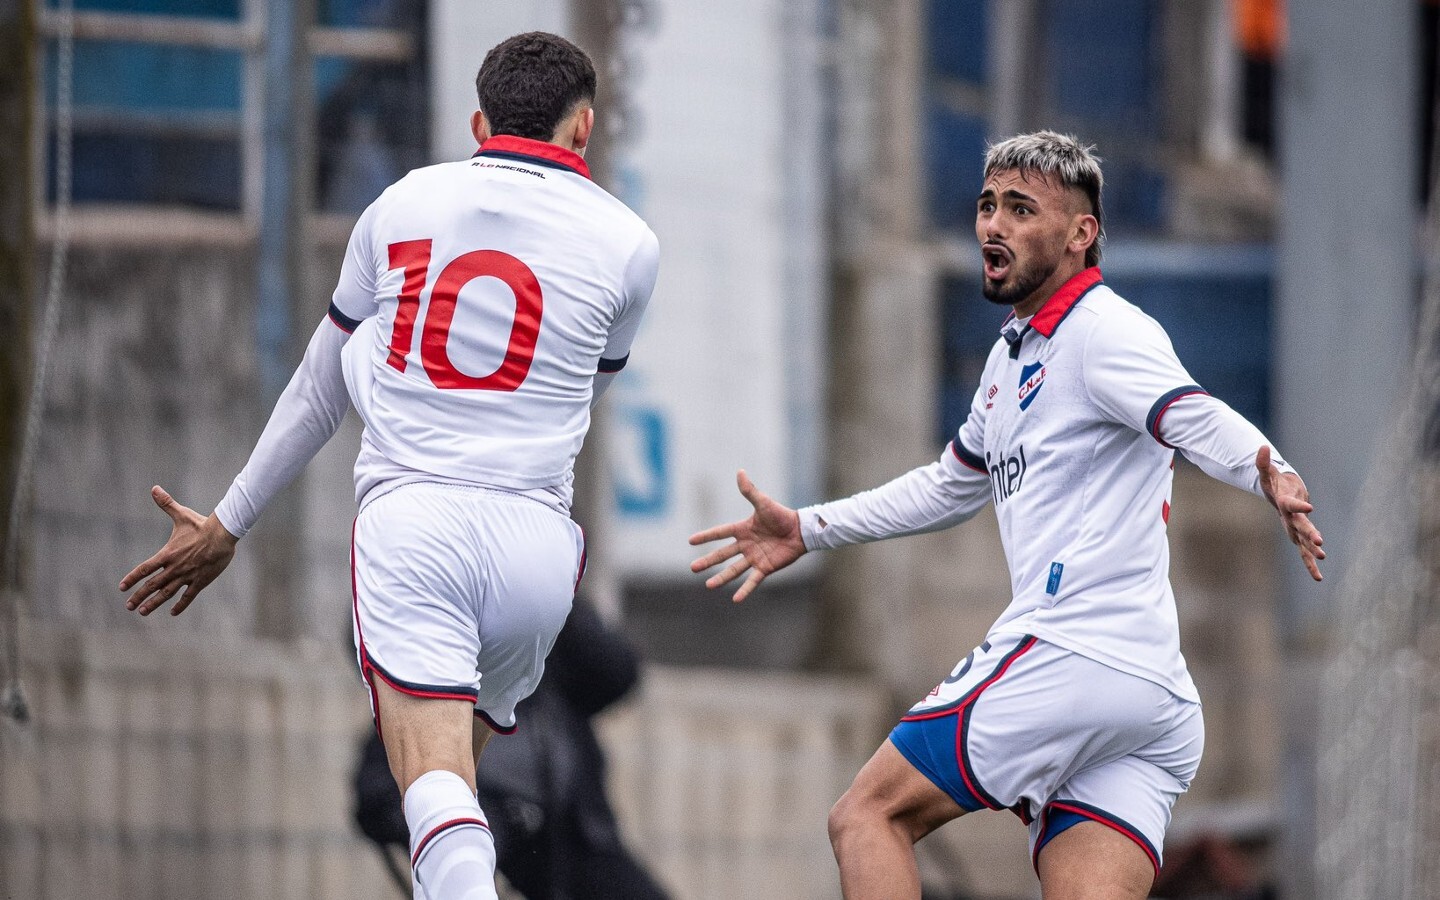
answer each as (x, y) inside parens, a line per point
(1054, 310)
(540, 152)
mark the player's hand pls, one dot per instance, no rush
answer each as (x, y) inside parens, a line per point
(1287, 493)
(198, 550)
(766, 542)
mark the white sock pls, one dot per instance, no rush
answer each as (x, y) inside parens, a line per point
(452, 854)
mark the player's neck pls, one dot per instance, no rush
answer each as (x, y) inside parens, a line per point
(1067, 270)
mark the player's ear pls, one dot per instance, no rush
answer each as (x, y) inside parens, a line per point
(584, 127)
(1084, 232)
(479, 126)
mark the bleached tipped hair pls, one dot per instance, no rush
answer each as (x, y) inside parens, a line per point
(1055, 156)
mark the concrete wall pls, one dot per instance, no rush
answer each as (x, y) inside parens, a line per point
(182, 765)
(154, 380)
(195, 757)
(724, 779)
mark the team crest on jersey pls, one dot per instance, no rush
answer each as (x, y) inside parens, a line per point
(1032, 379)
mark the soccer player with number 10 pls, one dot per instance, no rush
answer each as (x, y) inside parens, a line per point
(482, 308)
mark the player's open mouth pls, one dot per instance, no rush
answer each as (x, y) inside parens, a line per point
(997, 261)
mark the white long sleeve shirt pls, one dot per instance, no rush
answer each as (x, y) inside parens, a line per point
(1072, 436)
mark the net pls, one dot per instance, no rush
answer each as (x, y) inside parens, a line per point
(1379, 745)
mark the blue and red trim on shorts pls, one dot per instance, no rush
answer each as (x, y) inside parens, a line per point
(930, 742)
(1060, 815)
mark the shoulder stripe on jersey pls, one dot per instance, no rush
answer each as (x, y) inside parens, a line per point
(971, 460)
(1157, 412)
(345, 323)
(612, 365)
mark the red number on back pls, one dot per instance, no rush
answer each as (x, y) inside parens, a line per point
(414, 257)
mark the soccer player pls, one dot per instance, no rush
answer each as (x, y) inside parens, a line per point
(482, 307)
(1076, 712)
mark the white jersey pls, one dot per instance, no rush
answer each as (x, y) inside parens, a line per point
(489, 299)
(499, 286)
(1065, 437)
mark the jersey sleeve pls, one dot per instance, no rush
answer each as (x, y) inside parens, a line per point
(640, 274)
(355, 298)
(1219, 440)
(1132, 373)
(307, 415)
(930, 498)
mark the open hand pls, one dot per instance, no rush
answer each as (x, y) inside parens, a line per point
(198, 550)
(1286, 492)
(766, 542)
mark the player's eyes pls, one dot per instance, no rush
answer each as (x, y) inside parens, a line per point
(986, 207)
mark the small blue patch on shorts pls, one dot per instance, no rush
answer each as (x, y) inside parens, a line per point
(929, 746)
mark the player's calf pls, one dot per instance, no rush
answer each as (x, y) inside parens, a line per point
(452, 852)
(429, 744)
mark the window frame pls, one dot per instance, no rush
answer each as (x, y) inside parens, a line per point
(247, 34)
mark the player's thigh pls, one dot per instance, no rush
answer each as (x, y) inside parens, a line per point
(1131, 797)
(533, 558)
(418, 576)
(1018, 718)
(890, 789)
(1093, 862)
(423, 734)
(985, 735)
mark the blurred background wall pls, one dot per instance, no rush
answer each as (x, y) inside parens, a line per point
(810, 169)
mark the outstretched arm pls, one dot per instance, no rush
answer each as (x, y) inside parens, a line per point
(306, 416)
(766, 542)
(1230, 449)
(1133, 375)
(199, 548)
(942, 494)
(1286, 492)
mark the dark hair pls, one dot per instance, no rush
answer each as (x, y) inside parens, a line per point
(530, 82)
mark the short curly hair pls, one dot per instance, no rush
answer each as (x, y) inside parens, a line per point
(529, 83)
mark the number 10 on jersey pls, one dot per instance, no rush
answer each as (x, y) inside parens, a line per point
(414, 258)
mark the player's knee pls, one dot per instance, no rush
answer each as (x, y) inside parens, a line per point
(854, 811)
(841, 818)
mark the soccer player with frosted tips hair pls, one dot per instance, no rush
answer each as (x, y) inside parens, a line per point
(482, 308)
(1076, 712)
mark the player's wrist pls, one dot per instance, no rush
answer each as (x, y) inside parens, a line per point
(217, 531)
(797, 532)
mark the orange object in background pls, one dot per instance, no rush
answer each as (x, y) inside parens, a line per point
(1259, 27)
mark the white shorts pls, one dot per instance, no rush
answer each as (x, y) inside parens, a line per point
(460, 592)
(1058, 739)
